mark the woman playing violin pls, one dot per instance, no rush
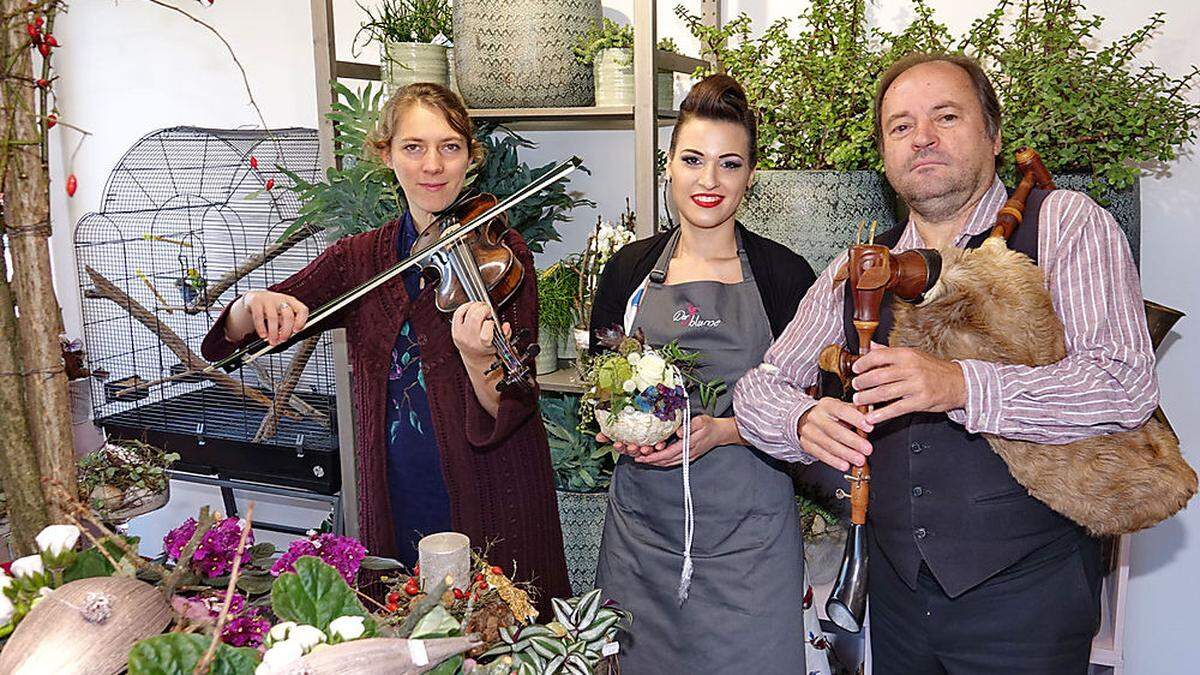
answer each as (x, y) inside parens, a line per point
(439, 448)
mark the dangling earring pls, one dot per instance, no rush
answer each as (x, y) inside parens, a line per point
(667, 203)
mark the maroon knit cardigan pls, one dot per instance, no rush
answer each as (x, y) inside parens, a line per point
(497, 471)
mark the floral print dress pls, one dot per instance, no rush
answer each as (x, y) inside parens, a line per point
(416, 488)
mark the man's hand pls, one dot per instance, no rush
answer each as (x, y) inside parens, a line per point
(827, 432)
(912, 380)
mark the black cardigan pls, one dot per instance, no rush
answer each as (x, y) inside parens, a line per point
(782, 276)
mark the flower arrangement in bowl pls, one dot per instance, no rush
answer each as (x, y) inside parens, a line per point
(636, 393)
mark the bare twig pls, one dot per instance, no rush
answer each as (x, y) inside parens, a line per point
(203, 525)
(214, 31)
(203, 666)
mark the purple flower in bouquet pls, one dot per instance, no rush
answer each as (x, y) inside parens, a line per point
(345, 554)
(214, 555)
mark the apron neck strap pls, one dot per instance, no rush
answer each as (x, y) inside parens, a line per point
(658, 274)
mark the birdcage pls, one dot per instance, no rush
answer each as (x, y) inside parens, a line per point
(190, 219)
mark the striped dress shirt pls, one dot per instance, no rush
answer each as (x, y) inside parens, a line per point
(1105, 383)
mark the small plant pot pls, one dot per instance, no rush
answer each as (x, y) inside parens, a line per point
(404, 63)
(547, 358)
(636, 427)
(113, 390)
(613, 73)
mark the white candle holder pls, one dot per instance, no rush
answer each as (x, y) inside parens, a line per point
(444, 554)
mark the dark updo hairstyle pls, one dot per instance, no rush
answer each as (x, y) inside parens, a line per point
(719, 98)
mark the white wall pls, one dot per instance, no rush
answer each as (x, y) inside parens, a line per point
(129, 68)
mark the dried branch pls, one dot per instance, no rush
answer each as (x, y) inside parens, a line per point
(203, 525)
(206, 661)
(298, 404)
(232, 54)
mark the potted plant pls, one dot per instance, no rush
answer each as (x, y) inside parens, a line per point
(607, 48)
(582, 472)
(556, 316)
(811, 80)
(413, 37)
(1098, 118)
(125, 479)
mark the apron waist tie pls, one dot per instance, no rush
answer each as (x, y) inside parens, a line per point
(689, 520)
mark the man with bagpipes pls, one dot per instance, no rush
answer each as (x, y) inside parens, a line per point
(1006, 423)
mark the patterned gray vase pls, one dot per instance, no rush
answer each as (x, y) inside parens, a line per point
(816, 213)
(1124, 205)
(581, 515)
(520, 53)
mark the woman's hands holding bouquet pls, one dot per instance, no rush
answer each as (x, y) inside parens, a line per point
(707, 433)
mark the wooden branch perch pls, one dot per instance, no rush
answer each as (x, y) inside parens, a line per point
(298, 404)
(284, 392)
(109, 291)
(215, 289)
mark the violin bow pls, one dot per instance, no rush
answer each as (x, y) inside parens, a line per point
(260, 347)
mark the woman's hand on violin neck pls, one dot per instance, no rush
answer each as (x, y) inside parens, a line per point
(472, 328)
(274, 317)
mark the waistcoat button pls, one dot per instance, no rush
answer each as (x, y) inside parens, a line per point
(916, 447)
(918, 491)
(920, 533)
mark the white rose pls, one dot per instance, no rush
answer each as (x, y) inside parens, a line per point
(306, 636)
(54, 539)
(6, 609)
(629, 386)
(279, 632)
(650, 368)
(347, 627)
(633, 358)
(279, 657)
(27, 566)
(5, 581)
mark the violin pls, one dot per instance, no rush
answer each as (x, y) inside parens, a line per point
(479, 267)
(464, 248)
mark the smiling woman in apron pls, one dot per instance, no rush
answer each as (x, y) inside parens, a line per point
(725, 292)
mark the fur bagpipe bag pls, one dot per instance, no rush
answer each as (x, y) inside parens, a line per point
(991, 303)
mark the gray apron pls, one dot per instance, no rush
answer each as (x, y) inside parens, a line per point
(744, 611)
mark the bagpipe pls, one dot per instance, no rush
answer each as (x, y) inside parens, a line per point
(991, 303)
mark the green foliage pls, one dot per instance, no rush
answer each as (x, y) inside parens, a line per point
(364, 194)
(556, 299)
(405, 21)
(178, 654)
(438, 623)
(1082, 106)
(503, 173)
(316, 594)
(811, 80)
(607, 34)
(580, 463)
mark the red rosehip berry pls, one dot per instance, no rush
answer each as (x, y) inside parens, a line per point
(479, 577)
(44, 49)
(391, 606)
(51, 120)
(32, 30)
(39, 21)
(458, 594)
(43, 82)
(393, 597)
(497, 570)
(51, 41)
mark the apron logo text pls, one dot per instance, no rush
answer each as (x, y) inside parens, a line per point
(691, 318)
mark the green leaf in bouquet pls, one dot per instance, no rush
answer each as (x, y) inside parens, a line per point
(178, 654)
(380, 564)
(316, 594)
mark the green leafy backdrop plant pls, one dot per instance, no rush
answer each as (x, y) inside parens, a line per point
(557, 285)
(405, 21)
(811, 79)
(1085, 107)
(609, 34)
(580, 463)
